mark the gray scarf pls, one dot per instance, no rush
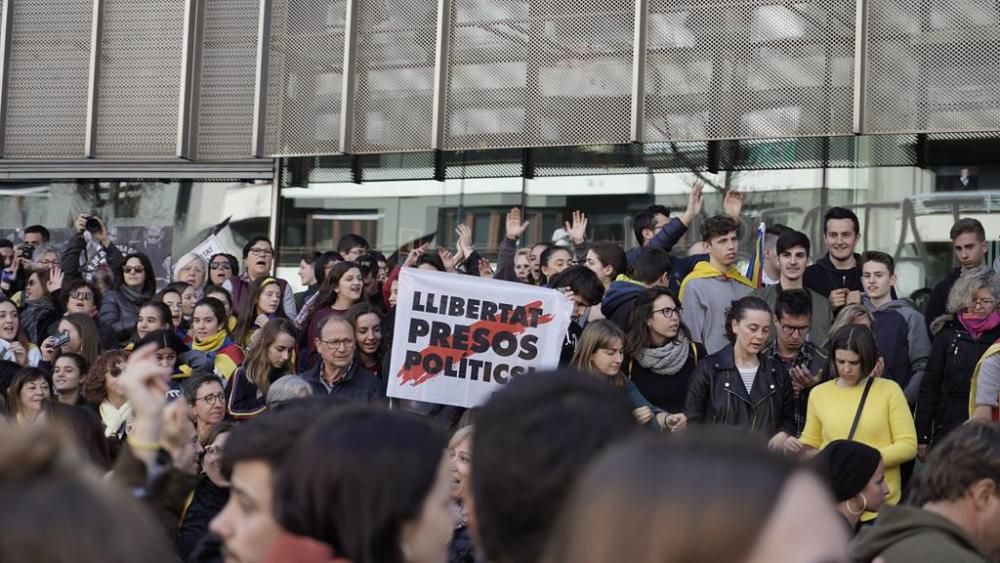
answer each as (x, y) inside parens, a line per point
(667, 359)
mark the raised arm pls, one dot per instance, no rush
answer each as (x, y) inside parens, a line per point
(515, 226)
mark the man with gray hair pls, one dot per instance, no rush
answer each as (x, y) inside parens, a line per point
(287, 388)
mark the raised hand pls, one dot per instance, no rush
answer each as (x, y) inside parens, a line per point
(144, 382)
(732, 204)
(577, 228)
(55, 279)
(464, 234)
(485, 269)
(515, 226)
(448, 258)
(414, 255)
(178, 436)
(696, 200)
(80, 224)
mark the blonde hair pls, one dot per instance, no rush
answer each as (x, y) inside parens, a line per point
(848, 315)
(460, 436)
(597, 335)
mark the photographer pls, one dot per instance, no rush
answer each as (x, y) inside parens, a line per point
(17, 265)
(78, 245)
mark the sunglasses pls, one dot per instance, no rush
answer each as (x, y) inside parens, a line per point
(221, 266)
(134, 270)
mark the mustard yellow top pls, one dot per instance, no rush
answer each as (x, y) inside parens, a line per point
(886, 424)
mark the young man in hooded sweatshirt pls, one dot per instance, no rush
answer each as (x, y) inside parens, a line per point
(710, 289)
(905, 350)
(958, 495)
(838, 274)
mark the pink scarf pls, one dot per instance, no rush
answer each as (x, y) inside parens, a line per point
(978, 325)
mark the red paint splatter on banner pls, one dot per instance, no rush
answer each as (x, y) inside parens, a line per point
(416, 375)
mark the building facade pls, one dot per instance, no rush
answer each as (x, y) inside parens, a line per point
(398, 119)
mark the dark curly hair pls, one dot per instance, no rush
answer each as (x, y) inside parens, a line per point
(93, 387)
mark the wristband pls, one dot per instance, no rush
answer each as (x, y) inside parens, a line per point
(145, 446)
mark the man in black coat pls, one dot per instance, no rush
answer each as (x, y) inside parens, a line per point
(838, 274)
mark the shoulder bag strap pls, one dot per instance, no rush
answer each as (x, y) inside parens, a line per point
(861, 407)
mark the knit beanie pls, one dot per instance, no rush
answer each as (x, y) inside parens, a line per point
(847, 466)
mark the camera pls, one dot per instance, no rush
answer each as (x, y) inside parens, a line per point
(93, 224)
(61, 340)
(27, 251)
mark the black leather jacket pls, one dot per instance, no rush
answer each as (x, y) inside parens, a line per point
(717, 396)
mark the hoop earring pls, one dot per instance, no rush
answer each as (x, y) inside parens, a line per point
(864, 505)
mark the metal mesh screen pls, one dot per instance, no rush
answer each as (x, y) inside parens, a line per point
(539, 73)
(139, 84)
(47, 80)
(932, 66)
(394, 69)
(305, 77)
(228, 63)
(749, 69)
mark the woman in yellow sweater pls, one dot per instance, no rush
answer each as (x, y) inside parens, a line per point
(885, 422)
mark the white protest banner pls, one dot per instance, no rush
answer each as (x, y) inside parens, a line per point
(208, 248)
(458, 338)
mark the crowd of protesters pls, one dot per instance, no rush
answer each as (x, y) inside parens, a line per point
(698, 414)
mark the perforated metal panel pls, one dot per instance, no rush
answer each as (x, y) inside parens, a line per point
(139, 84)
(748, 69)
(539, 73)
(305, 77)
(226, 92)
(932, 66)
(47, 80)
(394, 69)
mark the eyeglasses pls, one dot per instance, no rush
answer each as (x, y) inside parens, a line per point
(792, 330)
(218, 398)
(134, 270)
(669, 312)
(345, 343)
(48, 263)
(988, 302)
(262, 251)
(82, 295)
(221, 266)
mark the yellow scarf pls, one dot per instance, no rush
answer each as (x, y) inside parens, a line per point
(624, 278)
(705, 269)
(994, 349)
(212, 344)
